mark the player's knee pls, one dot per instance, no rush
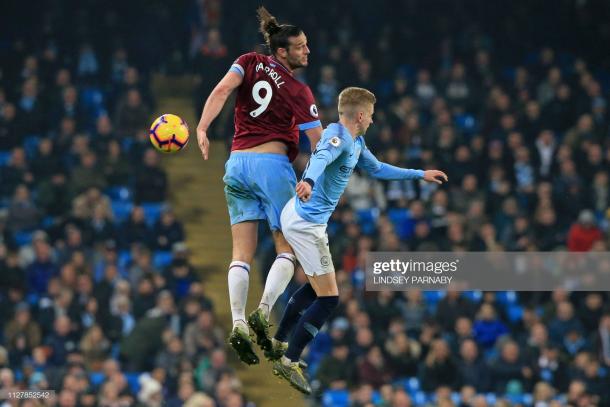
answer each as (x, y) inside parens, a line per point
(281, 245)
(242, 256)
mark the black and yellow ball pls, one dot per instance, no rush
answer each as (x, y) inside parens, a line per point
(169, 133)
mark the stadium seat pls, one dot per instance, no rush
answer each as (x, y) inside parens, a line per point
(126, 144)
(162, 259)
(47, 222)
(23, 238)
(96, 378)
(433, 297)
(412, 385)
(335, 398)
(367, 220)
(420, 398)
(133, 381)
(473, 295)
(124, 258)
(32, 299)
(398, 216)
(5, 158)
(514, 312)
(466, 123)
(506, 298)
(30, 145)
(152, 211)
(119, 193)
(121, 210)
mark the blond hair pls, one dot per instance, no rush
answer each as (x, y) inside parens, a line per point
(352, 98)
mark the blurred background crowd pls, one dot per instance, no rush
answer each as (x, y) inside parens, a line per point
(511, 102)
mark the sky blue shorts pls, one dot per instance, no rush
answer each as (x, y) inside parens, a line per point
(257, 186)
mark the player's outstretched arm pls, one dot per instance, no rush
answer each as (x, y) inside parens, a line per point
(213, 106)
(380, 170)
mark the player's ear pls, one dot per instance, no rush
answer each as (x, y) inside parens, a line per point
(282, 52)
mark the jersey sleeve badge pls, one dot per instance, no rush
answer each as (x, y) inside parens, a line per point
(335, 141)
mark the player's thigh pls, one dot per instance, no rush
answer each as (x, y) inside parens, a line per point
(325, 285)
(242, 203)
(277, 183)
(309, 243)
(280, 242)
(245, 237)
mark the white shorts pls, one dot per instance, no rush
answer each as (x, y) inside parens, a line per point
(308, 240)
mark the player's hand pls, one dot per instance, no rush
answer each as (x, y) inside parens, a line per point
(203, 142)
(304, 191)
(435, 176)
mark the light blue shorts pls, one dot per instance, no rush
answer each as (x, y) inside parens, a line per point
(257, 186)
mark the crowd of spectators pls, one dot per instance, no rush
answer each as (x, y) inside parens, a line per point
(518, 118)
(99, 300)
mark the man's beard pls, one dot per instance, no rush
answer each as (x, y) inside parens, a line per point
(295, 64)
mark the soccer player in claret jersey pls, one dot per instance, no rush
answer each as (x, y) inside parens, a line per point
(304, 221)
(271, 108)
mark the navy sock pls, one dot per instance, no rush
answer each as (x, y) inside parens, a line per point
(309, 325)
(298, 303)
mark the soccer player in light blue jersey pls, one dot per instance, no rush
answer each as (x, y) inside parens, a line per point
(304, 221)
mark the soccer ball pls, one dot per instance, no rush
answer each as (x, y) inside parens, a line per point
(169, 133)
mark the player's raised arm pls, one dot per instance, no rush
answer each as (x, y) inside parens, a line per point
(380, 170)
(213, 106)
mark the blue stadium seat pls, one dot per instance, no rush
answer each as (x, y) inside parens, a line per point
(47, 222)
(433, 297)
(490, 398)
(121, 210)
(398, 216)
(367, 215)
(124, 258)
(23, 238)
(420, 398)
(32, 299)
(126, 144)
(367, 220)
(119, 193)
(30, 145)
(96, 378)
(92, 98)
(474, 295)
(152, 211)
(466, 123)
(376, 398)
(506, 298)
(5, 158)
(335, 398)
(162, 259)
(412, 385)
(133, 381)
(514, 312)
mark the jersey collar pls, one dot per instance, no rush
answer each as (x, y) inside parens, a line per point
(280, 64)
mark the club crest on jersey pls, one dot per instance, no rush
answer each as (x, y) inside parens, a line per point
(275, 77)
(335, 141)
(313, 109)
